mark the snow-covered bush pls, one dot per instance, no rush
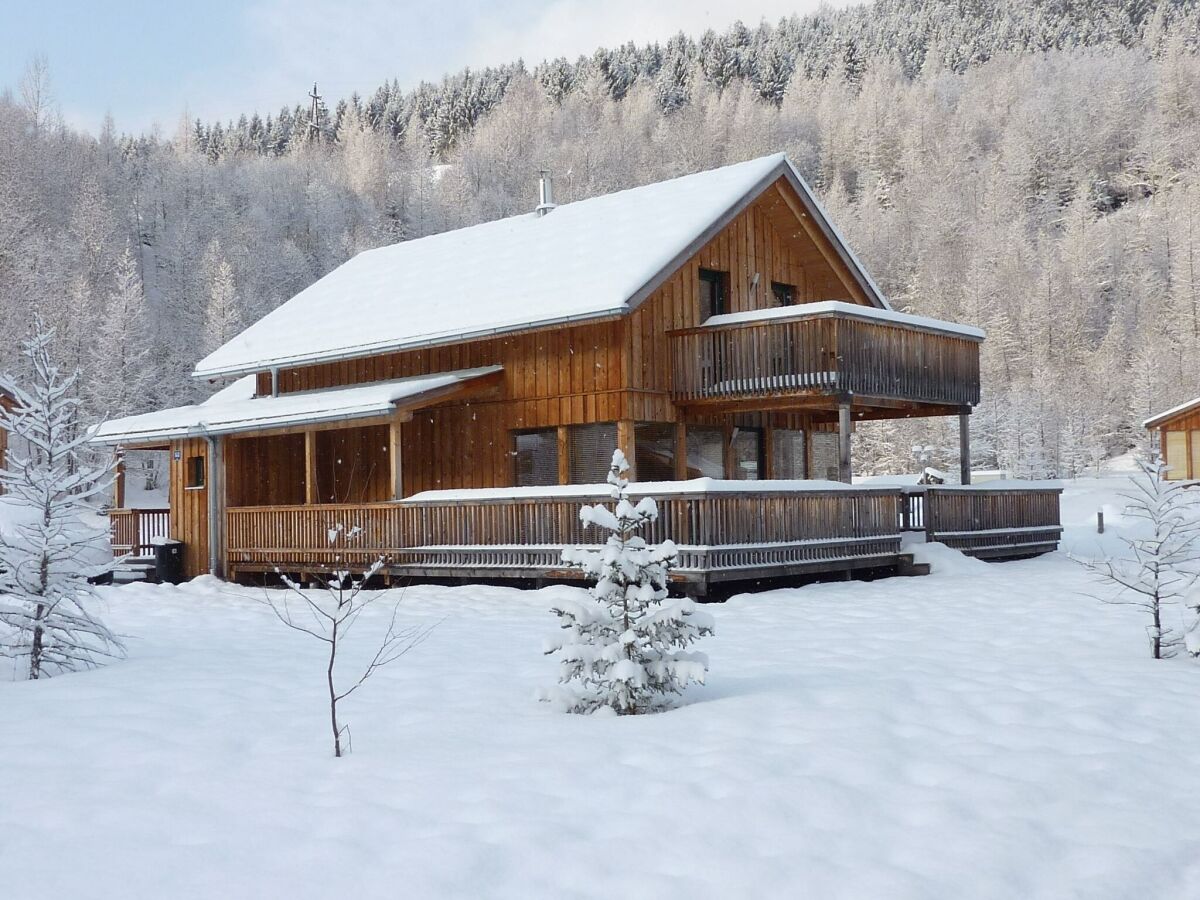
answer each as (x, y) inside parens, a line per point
(1161, 566)
(48, 546)
(327, 609)
(625, 648)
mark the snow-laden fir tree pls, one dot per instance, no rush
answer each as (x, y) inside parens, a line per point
(625, 648)
(1161, 566)
(49, 549)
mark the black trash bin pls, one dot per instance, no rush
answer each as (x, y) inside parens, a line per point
(168, 562)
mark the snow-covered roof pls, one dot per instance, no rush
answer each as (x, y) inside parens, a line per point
(590, 259)
(1162, 417)
(826, 307)
(236, 409)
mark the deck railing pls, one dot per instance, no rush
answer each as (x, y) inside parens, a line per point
(722, 534)
(831, 353)
(135, 531)
(719, 533)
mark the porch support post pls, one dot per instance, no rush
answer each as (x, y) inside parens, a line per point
(395, 460)
(844, 441)
(564, 455)
(216, 506)
(118, 479)
(964, 447)
(626, 443)
(310, 468)
(681, 462)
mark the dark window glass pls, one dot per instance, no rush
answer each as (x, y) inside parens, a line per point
(714, 293)
(592, 448)
(788, 452)
(825, 451)
(705, 451)
(747, 449)
(654, 447)
(785, 294)
(536, 457)
(194, 472)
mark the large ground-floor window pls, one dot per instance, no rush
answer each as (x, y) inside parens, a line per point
(787, 452)
(536, 455)
(746, 450)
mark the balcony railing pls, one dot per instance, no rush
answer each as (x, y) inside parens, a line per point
(832, 349)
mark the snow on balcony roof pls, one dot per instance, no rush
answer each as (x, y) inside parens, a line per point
(585, 260)
(235, 409)
(1165, 416)
(826, 307)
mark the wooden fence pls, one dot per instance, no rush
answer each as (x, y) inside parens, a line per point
(134, 531)
(832, 353)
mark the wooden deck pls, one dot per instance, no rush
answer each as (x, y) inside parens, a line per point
(831, 354)
(724, 534)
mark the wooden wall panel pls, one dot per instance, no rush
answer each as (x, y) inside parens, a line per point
(189, 506)
(265, 471)
(353, 465)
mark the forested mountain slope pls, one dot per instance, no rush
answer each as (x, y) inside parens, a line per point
(1028, 167)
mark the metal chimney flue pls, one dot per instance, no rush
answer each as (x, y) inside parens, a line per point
(545, 194)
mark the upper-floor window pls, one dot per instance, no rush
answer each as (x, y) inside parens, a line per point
(785, 294)
(714, 293)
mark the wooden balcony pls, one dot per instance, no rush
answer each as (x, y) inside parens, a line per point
(786, 356)
(724, 534)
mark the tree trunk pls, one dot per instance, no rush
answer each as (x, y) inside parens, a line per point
(333, 722)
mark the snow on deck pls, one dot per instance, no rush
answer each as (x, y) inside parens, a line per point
(582, 260)
(236, 409)
(637, 488)
(827, 307)
(989, 731)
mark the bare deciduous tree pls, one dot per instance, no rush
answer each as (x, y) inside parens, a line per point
(1161, 565)
(328, 611)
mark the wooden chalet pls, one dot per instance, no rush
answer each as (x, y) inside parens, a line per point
(1179, 440)
(458, 397)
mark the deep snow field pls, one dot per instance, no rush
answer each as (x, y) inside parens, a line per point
(988, 731)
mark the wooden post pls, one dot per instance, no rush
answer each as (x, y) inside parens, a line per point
(310, 468)
(964, 447)
(396, 461)
(844, 471)
(727, 459)
(625, 441)
(564, 455)
(118, 480)
(1100, 521)
(681, 462)
(768, 450)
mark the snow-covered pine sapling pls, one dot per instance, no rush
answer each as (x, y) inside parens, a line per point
(328, 610)
(47, 618)
(1161, 565)
(626, 648)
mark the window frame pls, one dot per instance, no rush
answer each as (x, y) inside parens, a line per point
(515, 435)
(734, 433)
(789, 289)
(192, 466)
(719, 279)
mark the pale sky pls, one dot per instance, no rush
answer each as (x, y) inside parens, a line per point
(147, 61)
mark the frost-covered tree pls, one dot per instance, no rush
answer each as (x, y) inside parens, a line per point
(625, 649)
(222, 316)
(1161, 565)
(124, 382)
(327, 609)
(48, 552)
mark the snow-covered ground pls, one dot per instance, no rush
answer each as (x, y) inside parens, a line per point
(988, 732)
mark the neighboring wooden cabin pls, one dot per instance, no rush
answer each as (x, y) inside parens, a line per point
(6, 403)
(713, 325)
(1179, 440)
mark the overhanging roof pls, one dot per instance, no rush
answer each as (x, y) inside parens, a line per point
(592, 259)
(235, 410)
(1173, 413)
